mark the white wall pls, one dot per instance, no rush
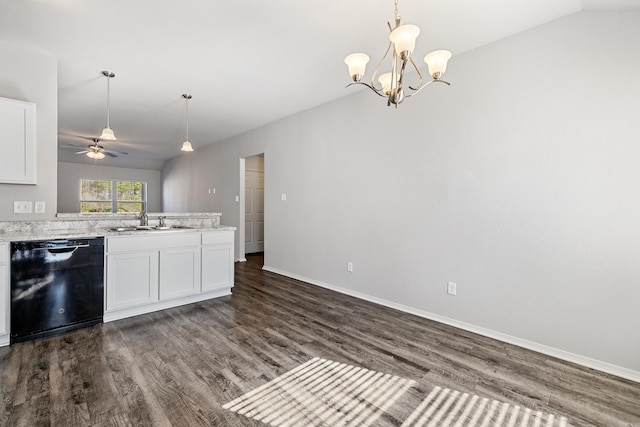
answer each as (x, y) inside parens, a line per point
(32, 76)
(69, 175)
(519, 183)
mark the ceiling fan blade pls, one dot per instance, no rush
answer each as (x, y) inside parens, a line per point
(109, 153)
(116, 151)
(82, 152)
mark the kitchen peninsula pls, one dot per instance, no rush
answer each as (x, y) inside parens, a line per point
(177, 259)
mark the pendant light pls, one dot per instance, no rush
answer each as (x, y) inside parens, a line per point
(107, 132)
(186, 145)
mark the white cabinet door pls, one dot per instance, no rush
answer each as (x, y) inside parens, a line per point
(179, 272)
(132, 279)
(217, 267)
(5, 301)
(18, 148)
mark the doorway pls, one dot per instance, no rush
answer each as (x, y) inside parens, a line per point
(251, 206)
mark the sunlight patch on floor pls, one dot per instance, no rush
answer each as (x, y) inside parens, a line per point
(322, 392)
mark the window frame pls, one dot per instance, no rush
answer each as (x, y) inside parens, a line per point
(114, 194)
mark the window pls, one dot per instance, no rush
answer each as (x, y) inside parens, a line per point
(104, 195)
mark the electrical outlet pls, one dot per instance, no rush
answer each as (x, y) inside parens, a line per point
(283, 197)
(451, 288)
(21, 207)
(39, 207)
(350, 267)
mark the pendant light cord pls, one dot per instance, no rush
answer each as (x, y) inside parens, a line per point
(108, 99)
(187, 98)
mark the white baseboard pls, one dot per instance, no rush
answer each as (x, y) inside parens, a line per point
(530, 345)
(241, 260)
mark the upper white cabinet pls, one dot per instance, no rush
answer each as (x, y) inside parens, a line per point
(18, 142)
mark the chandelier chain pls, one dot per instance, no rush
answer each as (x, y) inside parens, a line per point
(395, 9)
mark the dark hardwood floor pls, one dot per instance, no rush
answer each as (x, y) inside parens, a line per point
(179, 367)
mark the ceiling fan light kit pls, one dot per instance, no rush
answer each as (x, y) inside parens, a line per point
(107, 132)
(392, 85)
(95, 154)
(186, 145)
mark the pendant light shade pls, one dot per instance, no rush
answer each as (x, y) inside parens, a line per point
(186, 145)
(107, 132)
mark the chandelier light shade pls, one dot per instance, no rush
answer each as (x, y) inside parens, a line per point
(357, 63)
(402, 43)
(107, 132)
(186, 145)
(404, 39)
(437, 62)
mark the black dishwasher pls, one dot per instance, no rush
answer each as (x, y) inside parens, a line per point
(56, 286)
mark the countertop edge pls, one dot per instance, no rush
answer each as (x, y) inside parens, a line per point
(84, 233)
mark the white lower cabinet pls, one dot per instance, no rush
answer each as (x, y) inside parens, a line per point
(216, 272)
(152, 271)
(132, 279)
(179, 272)
(5, 301)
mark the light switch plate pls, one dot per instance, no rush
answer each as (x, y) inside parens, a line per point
(39, 207)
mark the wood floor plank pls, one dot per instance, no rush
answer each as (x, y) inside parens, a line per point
(180, 366)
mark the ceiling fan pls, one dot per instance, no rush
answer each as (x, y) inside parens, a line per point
(97, 152)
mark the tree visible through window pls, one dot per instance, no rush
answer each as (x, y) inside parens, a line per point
(98, 195)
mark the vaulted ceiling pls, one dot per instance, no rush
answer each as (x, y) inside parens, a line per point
(246, 63)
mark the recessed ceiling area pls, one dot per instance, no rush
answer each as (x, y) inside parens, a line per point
(245, 63)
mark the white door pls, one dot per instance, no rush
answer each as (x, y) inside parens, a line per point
(254, 212)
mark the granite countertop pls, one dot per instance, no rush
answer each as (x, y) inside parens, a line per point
(95, 225)
(85, 232)
(136, 215)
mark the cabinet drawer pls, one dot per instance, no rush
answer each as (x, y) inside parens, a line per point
(216, 237)
(147, 241)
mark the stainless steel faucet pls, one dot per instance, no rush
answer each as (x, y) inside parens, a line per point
(144, 218)
(161, 218)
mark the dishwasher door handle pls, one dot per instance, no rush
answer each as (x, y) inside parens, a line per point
(61, 249)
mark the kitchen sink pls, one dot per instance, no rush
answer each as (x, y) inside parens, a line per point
(151, 228)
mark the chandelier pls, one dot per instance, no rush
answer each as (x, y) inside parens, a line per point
(392, 84)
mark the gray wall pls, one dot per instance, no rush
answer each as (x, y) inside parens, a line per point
(32, 76)
(519, 183)
(69, 175)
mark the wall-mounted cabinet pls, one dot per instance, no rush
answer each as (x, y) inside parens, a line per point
(18, 148)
